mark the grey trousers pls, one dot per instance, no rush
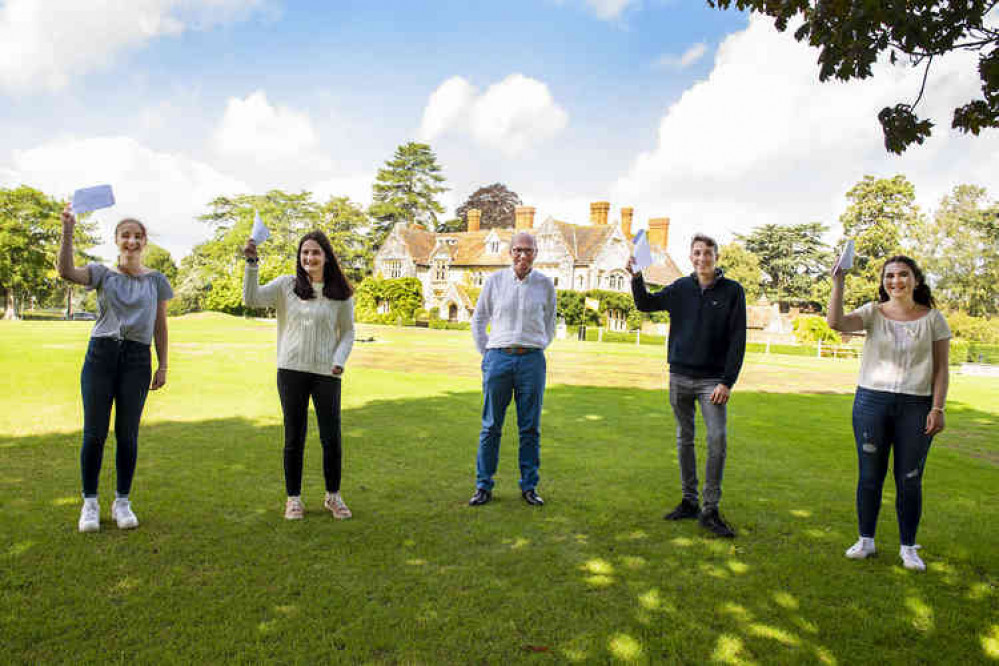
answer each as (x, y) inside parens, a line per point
(684, 391)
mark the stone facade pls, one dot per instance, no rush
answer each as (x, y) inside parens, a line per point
(450, 266)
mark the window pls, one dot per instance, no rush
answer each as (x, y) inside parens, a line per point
(440, 271)
(393, 269)
(493, 247)
(579, 282)
(555, 280)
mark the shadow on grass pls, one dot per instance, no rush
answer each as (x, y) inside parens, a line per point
(214, 573)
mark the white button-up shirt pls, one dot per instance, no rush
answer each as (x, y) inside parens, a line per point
(521, 312)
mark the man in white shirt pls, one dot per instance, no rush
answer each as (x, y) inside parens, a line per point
(518, 304)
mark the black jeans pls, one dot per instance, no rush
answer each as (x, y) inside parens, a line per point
(883, 421)
(295, 389)
(115, 372)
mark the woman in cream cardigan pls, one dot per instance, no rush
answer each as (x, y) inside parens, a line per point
(900, 396)
(315, 333)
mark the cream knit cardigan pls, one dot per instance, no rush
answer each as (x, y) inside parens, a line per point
(313, 335)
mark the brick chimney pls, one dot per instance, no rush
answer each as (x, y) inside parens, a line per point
(627, 214)
(599, 211)
(659, 232)
(525, 217)
(474, 216)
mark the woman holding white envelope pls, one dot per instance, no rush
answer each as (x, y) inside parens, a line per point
(315, 334)
(900, 396)
(131, 302)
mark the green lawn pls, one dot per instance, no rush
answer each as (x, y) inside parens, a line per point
(214, 574)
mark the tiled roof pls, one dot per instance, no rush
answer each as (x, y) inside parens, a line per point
(662, 273)
(584, 242)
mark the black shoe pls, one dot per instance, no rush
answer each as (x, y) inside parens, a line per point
(685, 509)
(481, 496)
(713, 521)
(532, 498)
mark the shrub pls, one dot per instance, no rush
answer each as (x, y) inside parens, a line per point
(810, 328)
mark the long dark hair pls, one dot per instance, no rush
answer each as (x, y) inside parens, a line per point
(336, 286)
(921, 294)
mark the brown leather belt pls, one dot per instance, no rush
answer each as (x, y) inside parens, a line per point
(517, 350)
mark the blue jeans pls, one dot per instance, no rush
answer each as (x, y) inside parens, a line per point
(684, 392)
(521, 376)
(115, 372)
(882, 421)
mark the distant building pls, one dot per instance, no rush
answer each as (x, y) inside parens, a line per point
(576, 257)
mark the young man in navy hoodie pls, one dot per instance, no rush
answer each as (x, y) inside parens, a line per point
(707, 340)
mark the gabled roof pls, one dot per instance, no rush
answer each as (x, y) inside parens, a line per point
(584, 242)
(663, 272)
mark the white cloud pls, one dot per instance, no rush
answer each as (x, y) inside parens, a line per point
(686, 59)
(608, 10)
(253, 128)
(165, 191)
(357, 187)
(511, 116)
(763, 141)
(44, 44)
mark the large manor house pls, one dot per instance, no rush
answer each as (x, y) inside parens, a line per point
(575, 256)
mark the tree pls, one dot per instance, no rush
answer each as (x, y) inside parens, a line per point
(742, 266)
(851, 36)
(30, 229)
(790, 257)
(159, 259)
(405, 190)
(959, 251)
(497, 204)
(346, 224)
(882, 211)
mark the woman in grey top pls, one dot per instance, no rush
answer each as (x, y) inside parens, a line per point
(131, 301)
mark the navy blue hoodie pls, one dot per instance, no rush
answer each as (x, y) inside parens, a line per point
(707, 327)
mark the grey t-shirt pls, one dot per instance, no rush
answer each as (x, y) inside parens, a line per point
(126, 304)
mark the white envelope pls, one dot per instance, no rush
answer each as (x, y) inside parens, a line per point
(260, 231)
(845, 260)
(643, 253)
(92, 198)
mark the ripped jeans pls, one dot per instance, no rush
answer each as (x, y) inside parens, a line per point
(882, 421)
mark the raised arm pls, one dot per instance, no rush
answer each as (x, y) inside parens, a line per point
(255, 295)
(834, 315)
(67, 270)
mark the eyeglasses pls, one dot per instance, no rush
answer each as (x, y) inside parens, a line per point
(523, 250)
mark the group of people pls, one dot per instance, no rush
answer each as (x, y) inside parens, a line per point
(899, 402)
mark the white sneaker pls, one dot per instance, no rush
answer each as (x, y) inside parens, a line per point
(121, 513)
(335, 505)
(911, 559)
(90, 517)
(863, 549)
(294, 509)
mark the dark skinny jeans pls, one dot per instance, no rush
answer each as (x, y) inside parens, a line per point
(883, 421)
(114, 372)
(295, 389)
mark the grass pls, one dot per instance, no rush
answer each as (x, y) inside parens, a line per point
(214, 574)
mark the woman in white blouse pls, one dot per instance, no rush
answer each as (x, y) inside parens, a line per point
(315, 333)
(900, 396)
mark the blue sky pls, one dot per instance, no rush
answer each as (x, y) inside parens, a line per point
(709, 117)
